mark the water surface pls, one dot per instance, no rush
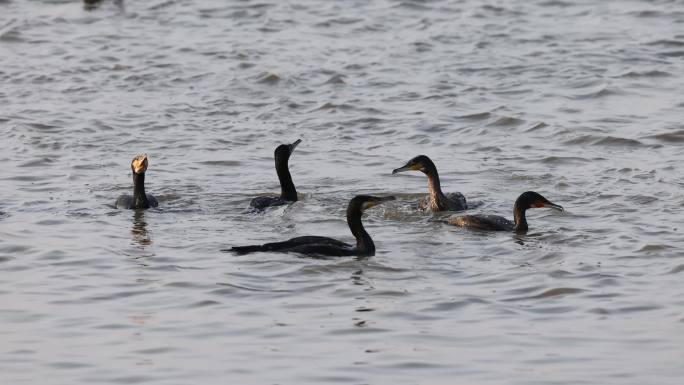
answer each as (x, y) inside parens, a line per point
(578, 100)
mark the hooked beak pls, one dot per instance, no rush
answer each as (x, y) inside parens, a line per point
(294, 145)
(554, 206)
(407, 167)
(139, 163)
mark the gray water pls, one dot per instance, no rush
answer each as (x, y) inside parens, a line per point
(581, 101)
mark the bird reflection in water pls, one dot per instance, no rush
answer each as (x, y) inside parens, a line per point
(139, 230)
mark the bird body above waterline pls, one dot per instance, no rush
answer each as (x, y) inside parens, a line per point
(436, 199)
(526, 200)
(288, 192)
(140, 199)
(324, 246)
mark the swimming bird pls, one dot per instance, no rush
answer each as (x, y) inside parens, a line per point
(436, 200)
(288, 193)
(526, 200)
(324, 246)
(139, 199)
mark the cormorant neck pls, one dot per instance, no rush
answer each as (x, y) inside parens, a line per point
(434, 187)
(287, 187)
(139, 196)
(519, 218)
(364, 243)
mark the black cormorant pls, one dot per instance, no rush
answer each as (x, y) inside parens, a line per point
(288, 193)
(324, 246)
(139, 199)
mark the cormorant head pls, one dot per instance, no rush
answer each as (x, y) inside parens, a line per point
(420, 163)
(285, 150)
(360, 203)
(530, 199)
(139, 164)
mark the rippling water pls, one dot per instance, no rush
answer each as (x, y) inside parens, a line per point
(579, 100)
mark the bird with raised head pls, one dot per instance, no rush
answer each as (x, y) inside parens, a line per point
(288, 192)
(139, 199)
(436, 199)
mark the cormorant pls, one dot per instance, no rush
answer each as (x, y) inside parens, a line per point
(288, 193)
(139, 199)
(324, 246)
(436, 200)
(528, 199)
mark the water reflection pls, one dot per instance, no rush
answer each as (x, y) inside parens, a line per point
(139, 231)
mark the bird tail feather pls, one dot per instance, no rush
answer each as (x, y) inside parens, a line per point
(245, 249)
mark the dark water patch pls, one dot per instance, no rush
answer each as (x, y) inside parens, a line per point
(268, 78)
(599, 92)
(388, 293)
(20, 316)
(51, 222)
(676, 136)
(637, 309)
(551, 293)
(599, 311)
(226, 163)
(613, 141)
(475, 116)
(338, 21)
(547, 310)
(646, 13)
(454, 305)
(560, 274)
(416, 365)
(336, 80)
(645, 74)
(159, 350)
(333, 106)
(667, 43)
(551, 257)
(205, 303)
(642, 199)
(674, 54)
(68, 365)
(161, 5)
(413, 5)
(524, 290)
(421, 46)
(10, 33)
(654, 248)
(358, 331)
(128, 379)
(556, 3)
(118, 295)
(229, 286)
(557, 160)
(506, 121)
(537, 127)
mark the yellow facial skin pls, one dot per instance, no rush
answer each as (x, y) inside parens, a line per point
(139, 164)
